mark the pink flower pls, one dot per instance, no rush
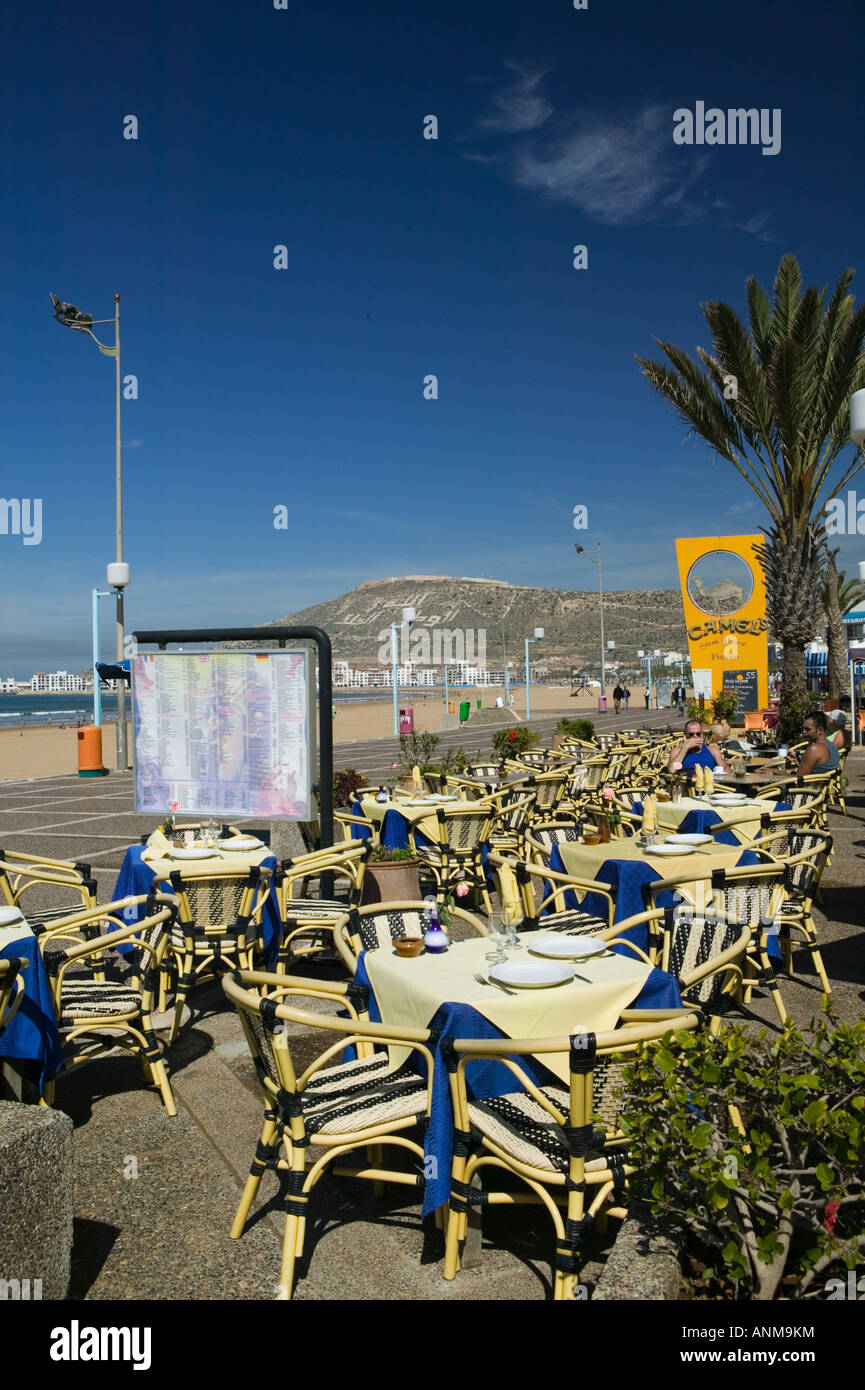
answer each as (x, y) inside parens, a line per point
(677, 767)
(608, 793)
(174, 805)
(393, 764)
(830, 1216)
(462, 889)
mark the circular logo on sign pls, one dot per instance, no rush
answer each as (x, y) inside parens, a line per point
(720, 583)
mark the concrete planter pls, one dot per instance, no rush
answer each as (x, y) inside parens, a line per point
(391, 883)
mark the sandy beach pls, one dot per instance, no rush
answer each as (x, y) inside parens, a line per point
(42, 752)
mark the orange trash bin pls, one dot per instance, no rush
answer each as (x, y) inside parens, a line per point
(90, 752)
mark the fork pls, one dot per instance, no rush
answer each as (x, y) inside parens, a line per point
(483, 980)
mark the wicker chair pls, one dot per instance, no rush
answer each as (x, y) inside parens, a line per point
(23, 875)
(703, 951)
(119, 998)
(337, 1106)
(218, 926)
(545, 1136)
(533, 880)
(543, 835)
(462, 834)
(377, 925)
(510, 825)
(11, 988)
(308, 923)
(806, 857)
(750, 896)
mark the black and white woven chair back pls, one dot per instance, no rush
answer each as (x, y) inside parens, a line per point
(696, 938)
(463, 832)
(378, 929)
(550, 837)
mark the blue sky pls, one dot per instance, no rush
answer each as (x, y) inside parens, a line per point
(303, 387)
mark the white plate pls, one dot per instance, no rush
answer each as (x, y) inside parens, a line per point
(9, 915)
(243, 843)
(568, 947)
(730, 798)
(670, 849)
(532, 974)
(199, 852)
(688, 839)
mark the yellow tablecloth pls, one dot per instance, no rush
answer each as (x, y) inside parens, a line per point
(584, 861)
(409, 992)
(743, 820)
(423, 817)
(162, 865)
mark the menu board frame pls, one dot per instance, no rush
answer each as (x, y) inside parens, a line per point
(225, 723)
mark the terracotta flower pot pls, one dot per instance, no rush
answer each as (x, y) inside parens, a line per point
(393, 882)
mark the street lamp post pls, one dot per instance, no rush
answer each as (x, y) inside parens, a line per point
(508, 665)
(648, 658)
(71, 317)
(408, 617)
(97, 679)
(539, 632)
(603, 694)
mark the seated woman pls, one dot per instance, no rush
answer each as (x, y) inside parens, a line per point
(837, 730)
(694, 750)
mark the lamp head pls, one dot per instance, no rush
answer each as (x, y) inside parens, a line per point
(539, 632)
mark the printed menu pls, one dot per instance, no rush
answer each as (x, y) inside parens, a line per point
(223, 733)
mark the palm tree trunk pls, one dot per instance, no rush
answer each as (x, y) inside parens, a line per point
(836, 636)
(793, 672)
(794, 693)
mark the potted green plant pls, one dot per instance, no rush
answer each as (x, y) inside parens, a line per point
(391, 876)
(508, 743)
(582, 729)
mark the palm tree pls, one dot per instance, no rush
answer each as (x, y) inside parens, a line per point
(772, 400)
(838, 595)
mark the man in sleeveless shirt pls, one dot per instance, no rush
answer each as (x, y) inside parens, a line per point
(821, 755)
(693, 750)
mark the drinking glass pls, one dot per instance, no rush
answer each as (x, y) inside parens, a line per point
(497, 932)
(509, 920)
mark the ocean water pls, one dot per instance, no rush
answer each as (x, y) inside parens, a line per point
(35, 711)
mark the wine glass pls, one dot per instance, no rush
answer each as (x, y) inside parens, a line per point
(497, 932)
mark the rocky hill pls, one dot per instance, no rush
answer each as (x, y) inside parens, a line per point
(508, 613)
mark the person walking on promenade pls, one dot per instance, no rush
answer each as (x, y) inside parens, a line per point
(626, 695)
(648, 694)
(617, 697)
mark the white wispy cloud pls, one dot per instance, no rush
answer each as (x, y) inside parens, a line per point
(620, 169)
(519, 106)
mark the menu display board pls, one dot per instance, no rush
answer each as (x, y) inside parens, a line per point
(742, 684)
(224, 733)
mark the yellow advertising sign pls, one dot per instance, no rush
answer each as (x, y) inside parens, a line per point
(724, 594)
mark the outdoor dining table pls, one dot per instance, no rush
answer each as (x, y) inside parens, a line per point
(693, 815)
(144, 865)
(752, 783)
(31, 1042)
(396, 816)
(440, 992)
(627, 867)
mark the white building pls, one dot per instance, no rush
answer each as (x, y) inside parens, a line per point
(55, 683)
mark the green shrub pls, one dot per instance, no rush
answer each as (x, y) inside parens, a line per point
(383, 855)
(508, 743)
(345, 786)
(782, 1197)
(583, 729)
(416, 750)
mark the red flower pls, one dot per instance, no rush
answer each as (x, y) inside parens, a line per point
(513, 735)
(831, 1214)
